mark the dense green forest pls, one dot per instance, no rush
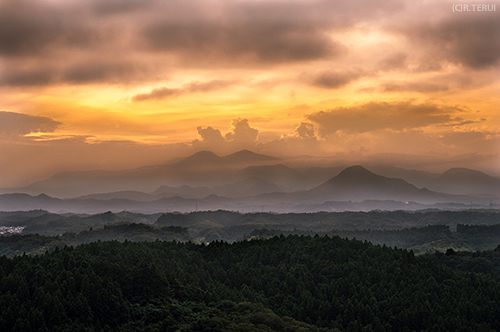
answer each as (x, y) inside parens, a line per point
(286, 283)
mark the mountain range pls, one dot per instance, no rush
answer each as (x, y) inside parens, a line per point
(251, 182)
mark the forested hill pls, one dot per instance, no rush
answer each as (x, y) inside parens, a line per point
(293, 283)
(34, 244)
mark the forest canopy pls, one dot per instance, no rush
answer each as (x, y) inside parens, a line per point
(285, 283)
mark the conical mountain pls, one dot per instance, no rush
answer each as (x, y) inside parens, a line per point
(358, 184)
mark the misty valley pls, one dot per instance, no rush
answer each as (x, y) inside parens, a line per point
(37, 231)
(251, 242)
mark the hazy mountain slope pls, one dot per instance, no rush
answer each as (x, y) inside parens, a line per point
(278, 174)
(357, 183)
(246, 157)
(466, 181)
(420, 179)
(203, 168)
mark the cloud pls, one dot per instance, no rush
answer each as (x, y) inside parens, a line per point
(334, 80)
(164, 92)
(211, 136)
(240, 136)
(158, 93)
(481, 142)
(50, 42)
(32, 28)
(305, 131)
(422, 87)
(394, 61)
(378, 116)
(94, 70)
(241, 133)
(469, 40)
(249, 42)
(21, 124)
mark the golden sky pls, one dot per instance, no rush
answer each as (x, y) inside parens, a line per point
(124, 83)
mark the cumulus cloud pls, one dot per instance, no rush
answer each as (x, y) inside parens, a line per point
(164, 92)
(210, 136)
(240, 136)
(242, 133)
(21, 124)
(305, 131)
(378, 116)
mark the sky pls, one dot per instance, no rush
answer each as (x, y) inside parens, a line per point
(119, 84)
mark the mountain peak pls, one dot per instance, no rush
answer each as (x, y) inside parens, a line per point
(356, 172)
(199, 159)
(465, 174)
(356, 182)
(245, 156)
(204, 154)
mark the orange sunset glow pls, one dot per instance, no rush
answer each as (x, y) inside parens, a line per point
(112, 85)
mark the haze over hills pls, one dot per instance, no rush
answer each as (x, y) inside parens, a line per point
(200, 169)
(249, 181)
(466, 181)
(358, 184)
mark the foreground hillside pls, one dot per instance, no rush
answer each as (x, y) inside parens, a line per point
(293, 283)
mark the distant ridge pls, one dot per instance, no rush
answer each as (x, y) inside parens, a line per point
(199, 159)
(247, 156)
(464, 180)
(466, 174)
(208, 158)
(279, 174)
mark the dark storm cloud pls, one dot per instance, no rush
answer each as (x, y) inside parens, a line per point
(79, 72)
(31, 76)
(470, 40)
(379, 116)
(21, 124)
(164, 92)
(254, 42)
(32, 28)
(104, 71)
(51, 37)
